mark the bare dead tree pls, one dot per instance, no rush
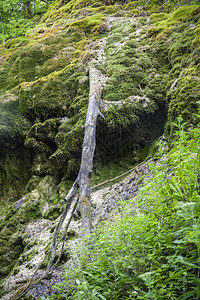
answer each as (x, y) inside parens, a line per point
(83, 179)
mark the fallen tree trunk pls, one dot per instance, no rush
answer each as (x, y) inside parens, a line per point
(83, 179)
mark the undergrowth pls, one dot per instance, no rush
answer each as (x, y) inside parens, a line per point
(152, 251)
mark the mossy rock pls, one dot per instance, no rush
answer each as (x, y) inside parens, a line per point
(39, 99)
(15, 159)
(182, 93)
(184, 102)
(182, 13)
(10, 253)
(41, 136)
(13, 126)
(52, 53)
(29, 60)
(12, 243)
(32, 183)
(15, 171)
(53, 212)
(27, 209)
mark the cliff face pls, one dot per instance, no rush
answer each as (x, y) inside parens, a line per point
(150, 61)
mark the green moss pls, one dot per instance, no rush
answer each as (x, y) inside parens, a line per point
(51, 53)
(183, 59)
(61, 191)
(70, 133)
(32, 254)
(131, 5)
(184, 100)
(12, 124)
(103, 172)
(53, 212)
(8, 71)
(158, 17)
(142, 21)
(110, 9)
(58, 62)
(44, 132)
(15, 160)
(27, 209)
(46, 189)
(29, 60)
(175, 18)
(10, 251)
(126, 69)
(92, 23)
(63, 259)
(30, 245)
(131, 43)
(121, 115)
(15, 171)
(50, 100)
(2, 288)
(31, 212)
(59, 10)
(116, 37)
(196, 40)
(181, 44)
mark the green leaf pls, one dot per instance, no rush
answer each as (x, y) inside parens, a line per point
(176, 274)
(150, 166)
(178, 242)
(78, 282)
(64, 295)
(168, 240)
(102, 297)
(188, 295)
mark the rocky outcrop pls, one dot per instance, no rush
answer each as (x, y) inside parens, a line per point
(151, 72)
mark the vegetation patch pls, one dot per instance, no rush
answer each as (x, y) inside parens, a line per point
(152, 250)
(90, 23)
(164, 23)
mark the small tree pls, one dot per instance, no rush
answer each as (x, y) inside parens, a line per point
(16, 16)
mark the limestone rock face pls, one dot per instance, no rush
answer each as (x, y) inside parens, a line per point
(149, 61)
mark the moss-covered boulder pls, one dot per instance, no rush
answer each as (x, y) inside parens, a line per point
(15, 159)
(174, 42)
(29, 208)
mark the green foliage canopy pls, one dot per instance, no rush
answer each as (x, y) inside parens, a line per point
(17, 16)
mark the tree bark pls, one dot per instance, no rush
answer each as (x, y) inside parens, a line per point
(28, 7)
(83, 179)
(88, 149)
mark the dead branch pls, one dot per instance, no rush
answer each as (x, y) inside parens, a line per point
(83, 179)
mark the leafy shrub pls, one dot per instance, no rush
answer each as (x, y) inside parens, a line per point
(17, 17)
(152, 250)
